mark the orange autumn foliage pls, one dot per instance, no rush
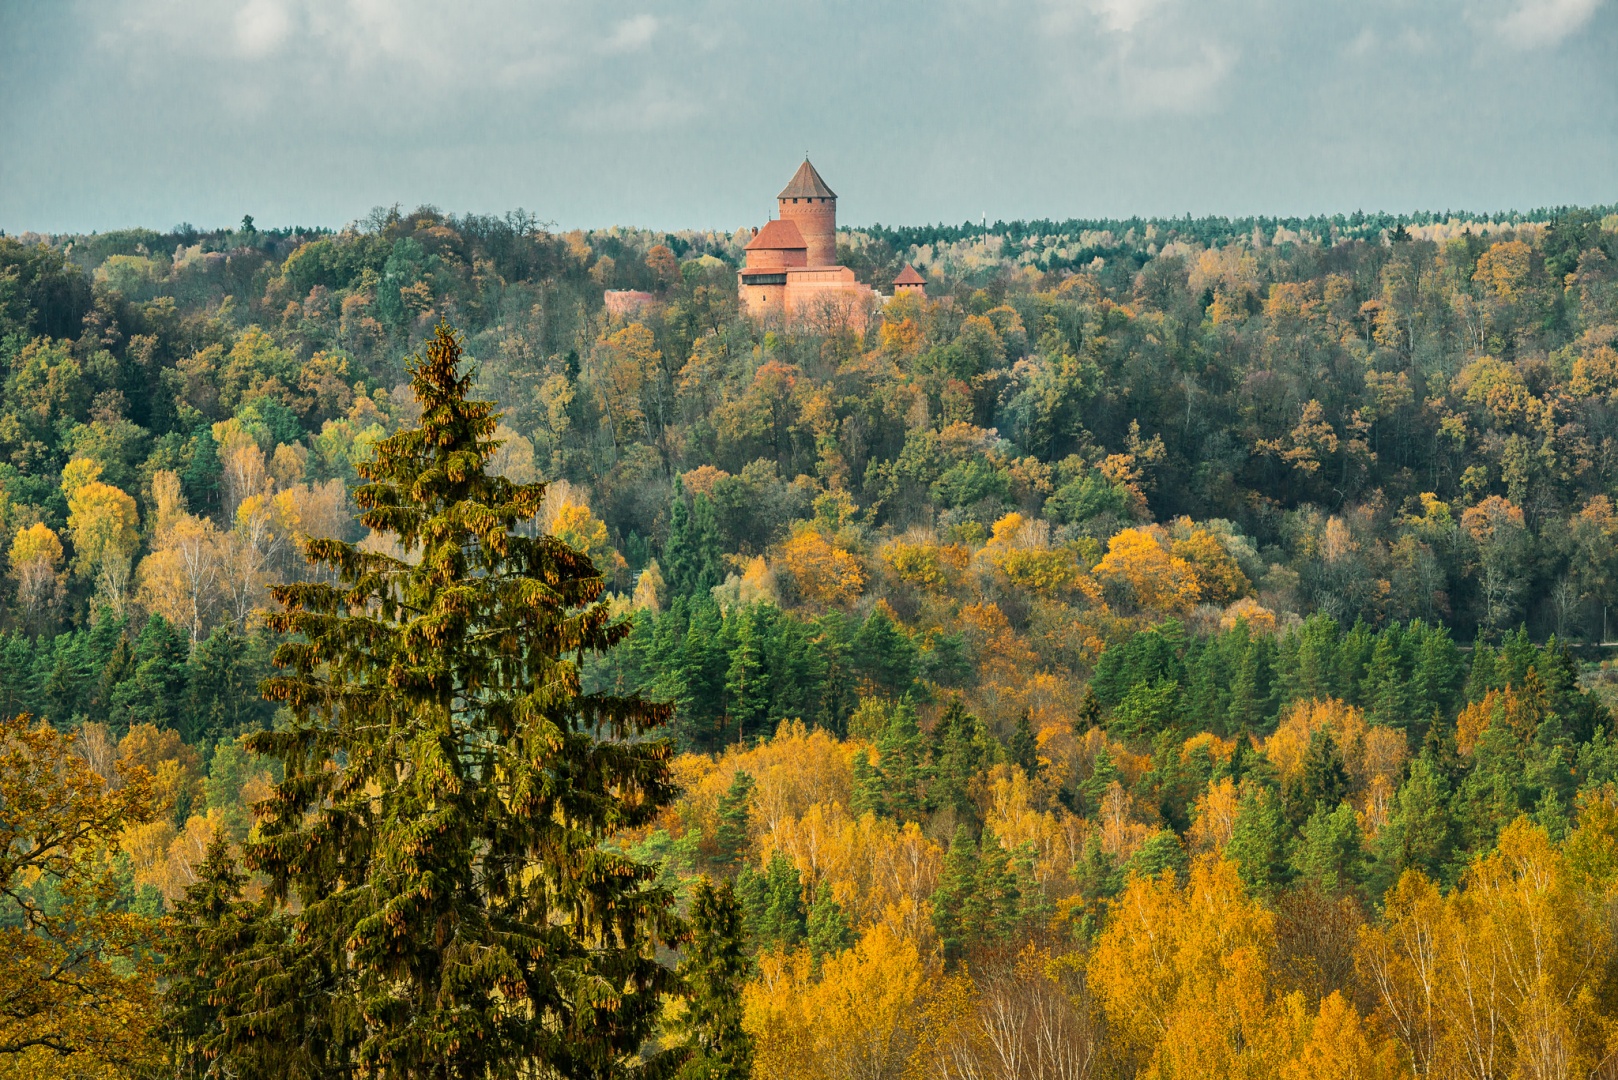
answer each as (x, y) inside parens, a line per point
(825, 574)
(1139, 562)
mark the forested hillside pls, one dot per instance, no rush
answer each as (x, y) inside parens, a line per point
(1171, 648)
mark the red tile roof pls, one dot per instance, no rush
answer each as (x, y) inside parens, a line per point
(908, 276)
(777, 235)
(806, 184)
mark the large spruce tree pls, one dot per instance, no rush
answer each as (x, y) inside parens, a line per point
(435, 841)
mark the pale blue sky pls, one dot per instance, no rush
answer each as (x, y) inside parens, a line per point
(692, 113)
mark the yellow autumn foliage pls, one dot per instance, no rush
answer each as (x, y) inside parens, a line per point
(1139, 561)
(825, 574)
(861, 1018)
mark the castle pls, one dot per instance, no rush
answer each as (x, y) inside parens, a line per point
(792, 268)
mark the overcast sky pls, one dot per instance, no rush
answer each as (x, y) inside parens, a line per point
(690, 113)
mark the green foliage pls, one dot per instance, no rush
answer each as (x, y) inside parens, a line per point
(829, 929)
(1330, 853)
(957, 887)
(713, 968)
(1259, 841)
(735, 814)
(460, 781)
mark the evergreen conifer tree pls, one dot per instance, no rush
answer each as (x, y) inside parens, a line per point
(900, 750)
(1387, 698)
(155, 692)
(1103, 772)
(1417, 834)
(207, 929)
(1258, 841)
(1252, 696)
(956, 886)
(1088, 714)
(713, 969)
(735, 810)
(704, 663)
(200, 481)
(747, 680)
(785, 920)
(753, 891)
(884, 655)
(1323, 781)
(829, 930)
(1435, 676)
(1021, 748)
(957, 750)
(991, 913)
(692, 559)
(436, 839)
(870, 790)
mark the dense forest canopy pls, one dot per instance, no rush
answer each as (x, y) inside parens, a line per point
(1235, 584)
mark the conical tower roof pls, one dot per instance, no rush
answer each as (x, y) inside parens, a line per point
(908, 276)
(806, 184)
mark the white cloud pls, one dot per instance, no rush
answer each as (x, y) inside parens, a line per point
(653, 107)
(631, 35)
(1188, 86)
(1537, 23)
(1122, 16)
(1137, 57)
(262, 26)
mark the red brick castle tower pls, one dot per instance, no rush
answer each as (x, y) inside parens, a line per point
(809, 204)
(792, 269)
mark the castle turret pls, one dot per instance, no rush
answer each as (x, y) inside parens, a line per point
(812, 206)
(909, 281)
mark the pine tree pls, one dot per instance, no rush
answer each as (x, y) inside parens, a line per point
(839, 695)
(708, 560)
(201, 477)
(1387, 699)
(155, 691)
(1021, 748)
(957, 750)
(990, 914)
(1331, 853)
(1035, 908)
(436, 838)
(207, 931)
(1258, 841)
(731, 838)
(1103, 772)
(1353, 658)
(1252, 694)
(1088, 714)
(677, 557)
(956, 887)
(1309, 664)
(1323, 781)
(713, 969)
(1485, 674)
(235, 972)
(747, 680)
(884, 655)
(753, 891)
(692, 559)
(1436, 676)
(703, 666)
(1417, 835)
(829, 930)
(870, 794)
(900, 750)
(784, 919)
(1161, 851)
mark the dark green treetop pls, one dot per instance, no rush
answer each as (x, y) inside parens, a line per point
(437, 835)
